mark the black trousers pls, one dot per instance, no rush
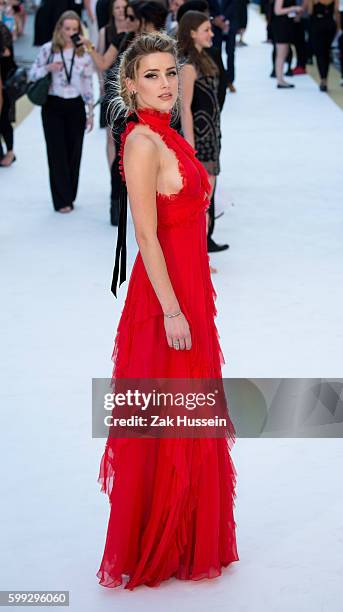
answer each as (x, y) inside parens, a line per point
(308, 39)
(64, 123)
(300, 43)
(230, 46)
(323, 33)
(6, 129)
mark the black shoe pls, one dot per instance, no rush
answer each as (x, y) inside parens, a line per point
(286, 86)
(10, 163)
(114, 212)
(323, 87)
(213, 247)
(273, 74)
(289, 72)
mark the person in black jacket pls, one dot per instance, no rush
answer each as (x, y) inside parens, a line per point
(225, 28)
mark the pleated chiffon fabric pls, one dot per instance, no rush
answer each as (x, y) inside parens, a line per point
(171, 499)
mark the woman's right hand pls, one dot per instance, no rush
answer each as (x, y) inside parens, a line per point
(54, 66)
(88, 45)
(178, 332)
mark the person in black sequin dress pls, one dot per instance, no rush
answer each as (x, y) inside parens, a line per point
(206, 122)
(200, 111)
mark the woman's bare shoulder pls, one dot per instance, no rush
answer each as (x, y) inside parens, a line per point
(141, 156)
(140, 141)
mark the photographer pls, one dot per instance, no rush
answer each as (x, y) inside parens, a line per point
(64, 114)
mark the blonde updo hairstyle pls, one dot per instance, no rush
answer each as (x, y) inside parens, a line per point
(145, 44)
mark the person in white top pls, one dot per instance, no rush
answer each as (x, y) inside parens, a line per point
(64, 114)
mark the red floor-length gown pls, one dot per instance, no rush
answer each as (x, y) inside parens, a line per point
(171, 499)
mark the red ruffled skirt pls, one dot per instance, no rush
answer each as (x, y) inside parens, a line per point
(171, 500)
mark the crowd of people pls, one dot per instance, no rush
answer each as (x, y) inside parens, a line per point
(310, 27)
(70, 55)
(70, 58)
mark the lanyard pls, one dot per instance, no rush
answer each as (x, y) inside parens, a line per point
(68, 74)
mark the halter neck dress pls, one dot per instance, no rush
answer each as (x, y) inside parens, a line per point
(171, 499)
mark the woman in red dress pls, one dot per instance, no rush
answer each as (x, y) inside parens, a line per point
(171, 499)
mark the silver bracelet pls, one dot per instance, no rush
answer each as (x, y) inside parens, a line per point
(171, 316)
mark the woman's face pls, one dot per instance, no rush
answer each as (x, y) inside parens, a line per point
(156, 82)
(132, 23)
(202, 36)
(118, 11)
(69, 27)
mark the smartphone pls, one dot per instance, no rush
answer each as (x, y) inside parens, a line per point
(76, 40)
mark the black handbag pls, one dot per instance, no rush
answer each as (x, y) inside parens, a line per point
(37, 91)
(16, 84)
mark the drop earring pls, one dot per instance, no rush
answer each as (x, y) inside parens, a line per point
(133, 99)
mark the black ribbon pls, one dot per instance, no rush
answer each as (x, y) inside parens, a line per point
(119, 271)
